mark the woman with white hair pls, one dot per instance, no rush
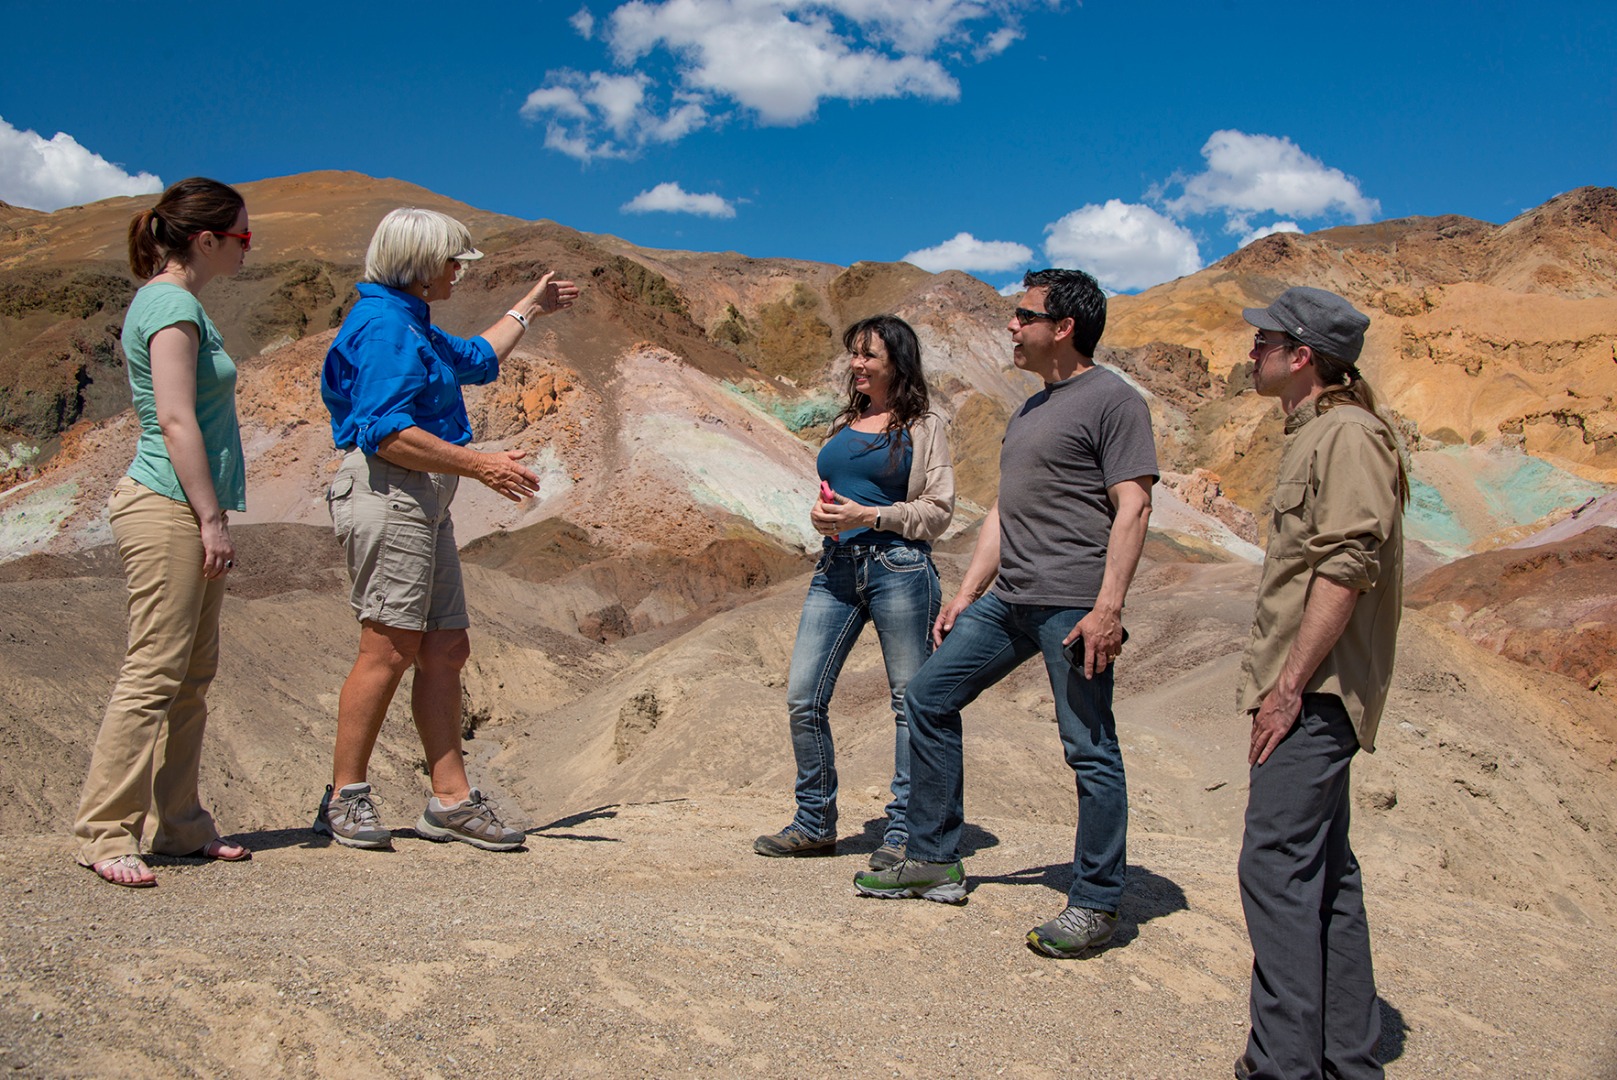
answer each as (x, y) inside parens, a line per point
(392, 384)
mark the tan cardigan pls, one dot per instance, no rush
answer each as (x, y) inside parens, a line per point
(928, 505)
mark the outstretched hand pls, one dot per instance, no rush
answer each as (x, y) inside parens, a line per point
(499, 472)
(550, 295)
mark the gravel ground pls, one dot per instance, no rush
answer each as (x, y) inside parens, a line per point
(646, 940)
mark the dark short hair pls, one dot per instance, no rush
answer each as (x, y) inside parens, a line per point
(1073, 294)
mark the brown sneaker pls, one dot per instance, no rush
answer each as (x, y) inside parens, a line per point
(473, 821)
(349, 817)
(888, 855)
(792, 840)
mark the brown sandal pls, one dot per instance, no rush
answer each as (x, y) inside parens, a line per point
(213, 848)
(106, 867)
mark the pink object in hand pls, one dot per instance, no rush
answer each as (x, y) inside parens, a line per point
(829, 496)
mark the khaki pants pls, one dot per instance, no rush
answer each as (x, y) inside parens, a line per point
(149, 749)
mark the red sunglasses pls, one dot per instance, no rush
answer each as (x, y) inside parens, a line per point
(246, 238)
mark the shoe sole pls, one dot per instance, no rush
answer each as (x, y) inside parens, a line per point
(759, 848)
(322, 829)
(1048, 948)
(428, 831)
(948, 892)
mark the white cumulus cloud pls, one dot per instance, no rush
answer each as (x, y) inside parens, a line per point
(1269, 230)
(603, 115)
(964, 251)
(669, 197)
(48, 174)
(774, 60)
(1252, 174)
(583, 22)
(1125, 245)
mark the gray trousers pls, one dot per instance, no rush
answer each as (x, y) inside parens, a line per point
(1314, 1010)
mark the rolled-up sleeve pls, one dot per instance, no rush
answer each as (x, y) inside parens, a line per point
(1356, 470)
(473, 358)
(389, 373)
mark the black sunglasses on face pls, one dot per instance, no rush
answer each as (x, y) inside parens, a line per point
(1026, 315)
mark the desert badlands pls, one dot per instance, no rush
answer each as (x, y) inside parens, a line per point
(625, 698)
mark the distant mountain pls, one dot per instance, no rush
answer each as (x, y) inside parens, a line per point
(710, 374)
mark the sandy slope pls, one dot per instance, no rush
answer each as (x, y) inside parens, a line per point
(639, 936)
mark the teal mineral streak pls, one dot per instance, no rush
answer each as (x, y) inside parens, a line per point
(1516, 488)
(1429, 520)
(1525, 488)
(798, 416)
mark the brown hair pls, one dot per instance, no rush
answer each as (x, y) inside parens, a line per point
(165, 231)
(1345, 386)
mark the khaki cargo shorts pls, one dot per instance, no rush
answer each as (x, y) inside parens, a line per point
(395, 529)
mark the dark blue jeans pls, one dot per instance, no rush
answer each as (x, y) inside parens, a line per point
(990, 640)
(1314, 1010)
(895, 587)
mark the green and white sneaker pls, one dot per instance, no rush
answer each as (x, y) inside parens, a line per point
(943, 882)
(1073, 933)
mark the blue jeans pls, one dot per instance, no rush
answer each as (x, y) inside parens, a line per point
(990, 640)
(895, 587)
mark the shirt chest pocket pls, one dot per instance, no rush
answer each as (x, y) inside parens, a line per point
(1288, 519)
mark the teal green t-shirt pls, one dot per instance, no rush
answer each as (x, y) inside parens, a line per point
(156, 307)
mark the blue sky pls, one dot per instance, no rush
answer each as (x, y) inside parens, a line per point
(1139, 140)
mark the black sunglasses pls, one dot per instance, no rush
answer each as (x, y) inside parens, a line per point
(1027, 315)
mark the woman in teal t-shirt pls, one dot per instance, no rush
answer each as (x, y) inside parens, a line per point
(168, 518)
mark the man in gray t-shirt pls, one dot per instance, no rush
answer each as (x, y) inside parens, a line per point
(1059, 548)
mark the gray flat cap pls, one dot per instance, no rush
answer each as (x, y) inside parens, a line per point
(1317, 318)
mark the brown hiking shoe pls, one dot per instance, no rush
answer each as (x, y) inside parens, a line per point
(473, 822)
(792, 840)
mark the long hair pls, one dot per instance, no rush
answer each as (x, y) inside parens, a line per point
(907, 399)
(1345, 386)
(165, 231)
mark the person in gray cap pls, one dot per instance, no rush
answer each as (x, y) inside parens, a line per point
(1314, 680)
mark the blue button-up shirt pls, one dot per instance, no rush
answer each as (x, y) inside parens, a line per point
(390, 369)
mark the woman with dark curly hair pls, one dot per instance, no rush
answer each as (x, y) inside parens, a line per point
(887, 490)
(168, 518)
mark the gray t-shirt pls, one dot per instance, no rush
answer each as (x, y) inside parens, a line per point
(1063, 449)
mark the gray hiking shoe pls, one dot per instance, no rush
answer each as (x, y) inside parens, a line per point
(474, 821)
(1073, 933)
(889, 855)
(349, 817)
(943, 882)
(792, 840)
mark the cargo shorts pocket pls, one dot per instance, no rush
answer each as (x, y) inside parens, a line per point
(340, 505)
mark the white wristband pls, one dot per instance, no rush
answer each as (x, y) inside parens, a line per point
(517, 315)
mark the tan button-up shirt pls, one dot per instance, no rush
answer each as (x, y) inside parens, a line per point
(1336, 514)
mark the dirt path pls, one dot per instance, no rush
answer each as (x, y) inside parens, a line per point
(645, 940)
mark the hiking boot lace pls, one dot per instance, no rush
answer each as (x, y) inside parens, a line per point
(362, 809)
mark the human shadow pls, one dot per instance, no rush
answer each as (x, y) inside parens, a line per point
(1148, 895)
(1393, 1033)
(256, 840)
(973, 838)
(560, 829)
